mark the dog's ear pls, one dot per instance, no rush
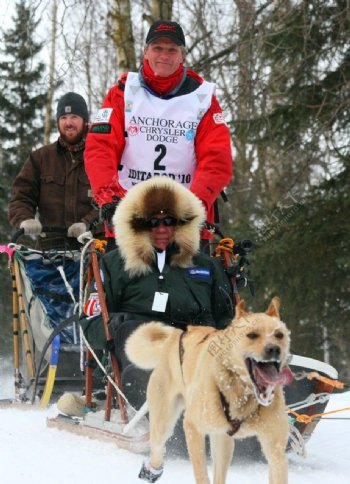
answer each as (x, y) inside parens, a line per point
(240, 309)
(274, 306)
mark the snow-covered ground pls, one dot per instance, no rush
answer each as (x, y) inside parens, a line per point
(32, 453)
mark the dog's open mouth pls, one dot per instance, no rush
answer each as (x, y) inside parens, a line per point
(266, 375)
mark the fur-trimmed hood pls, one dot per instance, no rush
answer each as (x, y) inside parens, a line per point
(143, 201)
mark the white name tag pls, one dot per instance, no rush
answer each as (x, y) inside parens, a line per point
(159, 301)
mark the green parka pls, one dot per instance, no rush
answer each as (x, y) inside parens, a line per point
(197, 286)
(199, 294)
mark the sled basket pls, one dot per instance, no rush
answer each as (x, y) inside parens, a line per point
(45, 295)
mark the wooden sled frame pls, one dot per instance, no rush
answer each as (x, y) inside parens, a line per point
(94, 273)
(105, 431)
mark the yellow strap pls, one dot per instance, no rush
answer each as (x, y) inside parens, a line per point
(50, 381)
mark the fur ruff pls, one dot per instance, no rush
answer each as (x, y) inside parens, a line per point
(142, 202)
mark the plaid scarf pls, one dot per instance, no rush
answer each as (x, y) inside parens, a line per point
(72, 148)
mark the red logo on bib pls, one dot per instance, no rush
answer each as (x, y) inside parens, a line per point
(133, 129)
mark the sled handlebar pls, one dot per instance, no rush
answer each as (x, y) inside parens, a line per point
(244, 247)
(45, 229)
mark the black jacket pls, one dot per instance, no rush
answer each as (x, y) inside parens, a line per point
(199, 294)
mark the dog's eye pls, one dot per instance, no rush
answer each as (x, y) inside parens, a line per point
(252, 335)
(279, 335)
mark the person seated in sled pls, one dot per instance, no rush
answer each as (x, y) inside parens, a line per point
(163, 120)
(53, 182)
(157, 273)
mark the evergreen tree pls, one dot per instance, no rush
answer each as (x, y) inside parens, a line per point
(22, 99)
(304, 257)
(23, 92)
(300, 133)
(306, 50)
(291, 124)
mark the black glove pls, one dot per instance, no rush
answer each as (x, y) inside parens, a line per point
(107, 211)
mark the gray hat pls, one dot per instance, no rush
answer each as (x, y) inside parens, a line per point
(72, 103)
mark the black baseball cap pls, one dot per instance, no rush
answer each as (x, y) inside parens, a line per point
(163, 28)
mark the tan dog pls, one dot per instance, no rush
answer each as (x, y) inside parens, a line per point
(229, 382)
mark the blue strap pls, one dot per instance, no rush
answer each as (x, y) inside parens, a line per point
(55, 350)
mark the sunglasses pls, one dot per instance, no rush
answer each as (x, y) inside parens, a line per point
(152, 223)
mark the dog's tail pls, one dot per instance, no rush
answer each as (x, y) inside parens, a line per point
(145, 345)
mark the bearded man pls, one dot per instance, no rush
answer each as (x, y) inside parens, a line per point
(52, 188)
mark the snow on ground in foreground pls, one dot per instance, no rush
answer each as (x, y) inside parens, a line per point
(31, 453)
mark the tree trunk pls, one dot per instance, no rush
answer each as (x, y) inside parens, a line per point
(123, 36)
(245, 102)
(161, 10)
(51, 86)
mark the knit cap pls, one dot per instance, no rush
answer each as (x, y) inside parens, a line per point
(72, 103)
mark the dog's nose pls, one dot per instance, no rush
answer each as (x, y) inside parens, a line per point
(272, 352)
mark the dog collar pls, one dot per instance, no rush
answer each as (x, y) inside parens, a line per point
(234, 423)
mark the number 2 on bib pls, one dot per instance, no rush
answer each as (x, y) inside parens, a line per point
(162, 152)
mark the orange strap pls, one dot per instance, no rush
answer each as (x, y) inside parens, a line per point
(303, 418)
(101, 245)
(225, 245)
(333, 383)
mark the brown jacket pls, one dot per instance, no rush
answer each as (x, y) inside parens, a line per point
(55, 182)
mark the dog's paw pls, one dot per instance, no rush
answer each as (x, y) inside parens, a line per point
(147, 473)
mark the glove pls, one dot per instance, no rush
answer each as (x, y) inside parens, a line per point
(76, 229)
(107, 211)
(31, 226)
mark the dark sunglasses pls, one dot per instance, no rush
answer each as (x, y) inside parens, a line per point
(152, 223)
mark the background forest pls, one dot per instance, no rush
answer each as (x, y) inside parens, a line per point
(282, 70)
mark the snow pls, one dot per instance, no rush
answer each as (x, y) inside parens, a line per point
(32, 453)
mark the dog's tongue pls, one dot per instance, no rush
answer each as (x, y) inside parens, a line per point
(285, 377)
(267, 374)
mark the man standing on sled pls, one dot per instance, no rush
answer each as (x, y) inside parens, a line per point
(162, 120)
(53, 182)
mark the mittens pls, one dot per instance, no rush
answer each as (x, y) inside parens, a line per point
(76, 229)
(31, 226)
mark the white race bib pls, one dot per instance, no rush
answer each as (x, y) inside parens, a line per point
(161, 133)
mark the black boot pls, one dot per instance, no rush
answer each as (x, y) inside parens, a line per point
(150, 475)
(134, 383)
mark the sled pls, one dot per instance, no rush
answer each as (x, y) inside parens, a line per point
(111, 423)
(46, 339)
(307, 396)
(95, 427)
(310, 395)
(46, 347)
